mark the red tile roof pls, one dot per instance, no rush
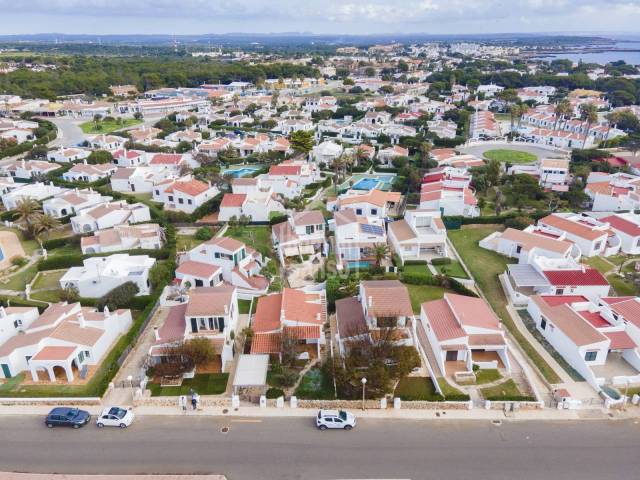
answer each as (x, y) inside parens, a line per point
(166, 159)
(302, 332)
(233, 200)
(267, 317)
(555, 300)
(285, 170)
(442, 320)
(590, 276)
(197, 269)
(620, 340)
(266, 343)
(625, 226)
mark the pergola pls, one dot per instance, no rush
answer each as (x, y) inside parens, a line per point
(54, 356)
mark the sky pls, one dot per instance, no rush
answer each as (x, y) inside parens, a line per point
(176, 17)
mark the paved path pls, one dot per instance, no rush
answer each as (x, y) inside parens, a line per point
(293, 449)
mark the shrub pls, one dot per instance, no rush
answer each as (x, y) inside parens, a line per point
(204, 233)
(414, 278)
(69, 294)
(19, 261)
(519, 223)
(61, 242)
(278, 219)
(119, 297)
(275, 393)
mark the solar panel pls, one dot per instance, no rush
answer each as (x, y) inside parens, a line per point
(372, 229)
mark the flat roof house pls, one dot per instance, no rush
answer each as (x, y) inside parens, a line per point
(419, 236)
(99, 275)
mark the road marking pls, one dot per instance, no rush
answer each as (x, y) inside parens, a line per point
(247, 421)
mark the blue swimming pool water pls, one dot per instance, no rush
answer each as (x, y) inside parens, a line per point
(366, 184)
(359, 265)
(240, 172)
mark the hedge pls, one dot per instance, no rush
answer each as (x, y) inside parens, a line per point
(21, 302)
(413, 278)
(278, 219)
(492, 219)
(441, 261)
(415, 262)
(274, 393)
(510, 398)
(61, 242)
(60, 262)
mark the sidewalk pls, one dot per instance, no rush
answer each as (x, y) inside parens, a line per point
(256, 412)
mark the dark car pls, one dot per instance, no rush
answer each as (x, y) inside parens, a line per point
(67, 417)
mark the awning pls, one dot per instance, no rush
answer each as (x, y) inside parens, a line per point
(251, 371)
(527, 276)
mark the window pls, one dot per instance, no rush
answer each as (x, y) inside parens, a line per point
(87, 354)
(591, 356)
(543, 324)
(559, 291)
(171, 198)
(374, 211)
(309, 229)
(180, 200)
(358, 211)
(157, 192)
(189, 202)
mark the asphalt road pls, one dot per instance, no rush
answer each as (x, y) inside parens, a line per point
(291, 448)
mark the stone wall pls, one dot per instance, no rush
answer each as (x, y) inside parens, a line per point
(423, 405)
(338, 404)
(517, 405)
(205, 401)
(68, 402)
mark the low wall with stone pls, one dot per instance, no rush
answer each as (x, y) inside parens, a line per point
(205, 401)
(68, 402)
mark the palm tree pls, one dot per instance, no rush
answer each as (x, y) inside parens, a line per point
(562, 109)
(26, 211)
(43, 225)
(589, 114)
(380, 253)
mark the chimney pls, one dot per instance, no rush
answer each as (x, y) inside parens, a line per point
(226, 309)
(282, 314)
(156, 333)
(85, 161)
(318, 316)
(81, 320)
(2, 312)
(106, 311)
(370, 301)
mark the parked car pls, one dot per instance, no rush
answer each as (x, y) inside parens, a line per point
(115, 417)
(335, 419)
(67, 417)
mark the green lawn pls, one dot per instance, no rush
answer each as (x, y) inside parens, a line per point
(186, 242)
(50, 296)
(108, 126)
(19, 281)
(315, 386)
(417, 388)
(511, 156)
(202, 383)
(621, 286)
(505, 391)
(423, 293)
(599, 263)
(48, 279)
(454, 269)
(419, 269)
(488, 375)
(256, 237)
(450, 392)
(485, 266)
(244, 305)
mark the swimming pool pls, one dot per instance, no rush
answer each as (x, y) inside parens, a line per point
(360, 265)
(240, 172)
(366, 184)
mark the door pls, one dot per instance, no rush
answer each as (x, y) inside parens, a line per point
(194, 325)
(6, 371)
(452, 355)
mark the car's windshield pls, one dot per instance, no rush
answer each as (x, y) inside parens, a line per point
(72, 413)
(118, 412)
(342, 414)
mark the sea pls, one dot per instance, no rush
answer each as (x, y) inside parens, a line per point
(606, 54)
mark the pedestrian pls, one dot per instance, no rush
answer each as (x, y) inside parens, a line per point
(194, 400)
(182, 402)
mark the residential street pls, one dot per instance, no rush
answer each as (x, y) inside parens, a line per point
(291, 448)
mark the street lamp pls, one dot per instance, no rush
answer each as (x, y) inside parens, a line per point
(364, 383)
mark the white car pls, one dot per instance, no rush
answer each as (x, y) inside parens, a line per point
(335, 419)
(115, 417)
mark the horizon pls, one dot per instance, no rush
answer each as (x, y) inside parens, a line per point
(319, 17)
